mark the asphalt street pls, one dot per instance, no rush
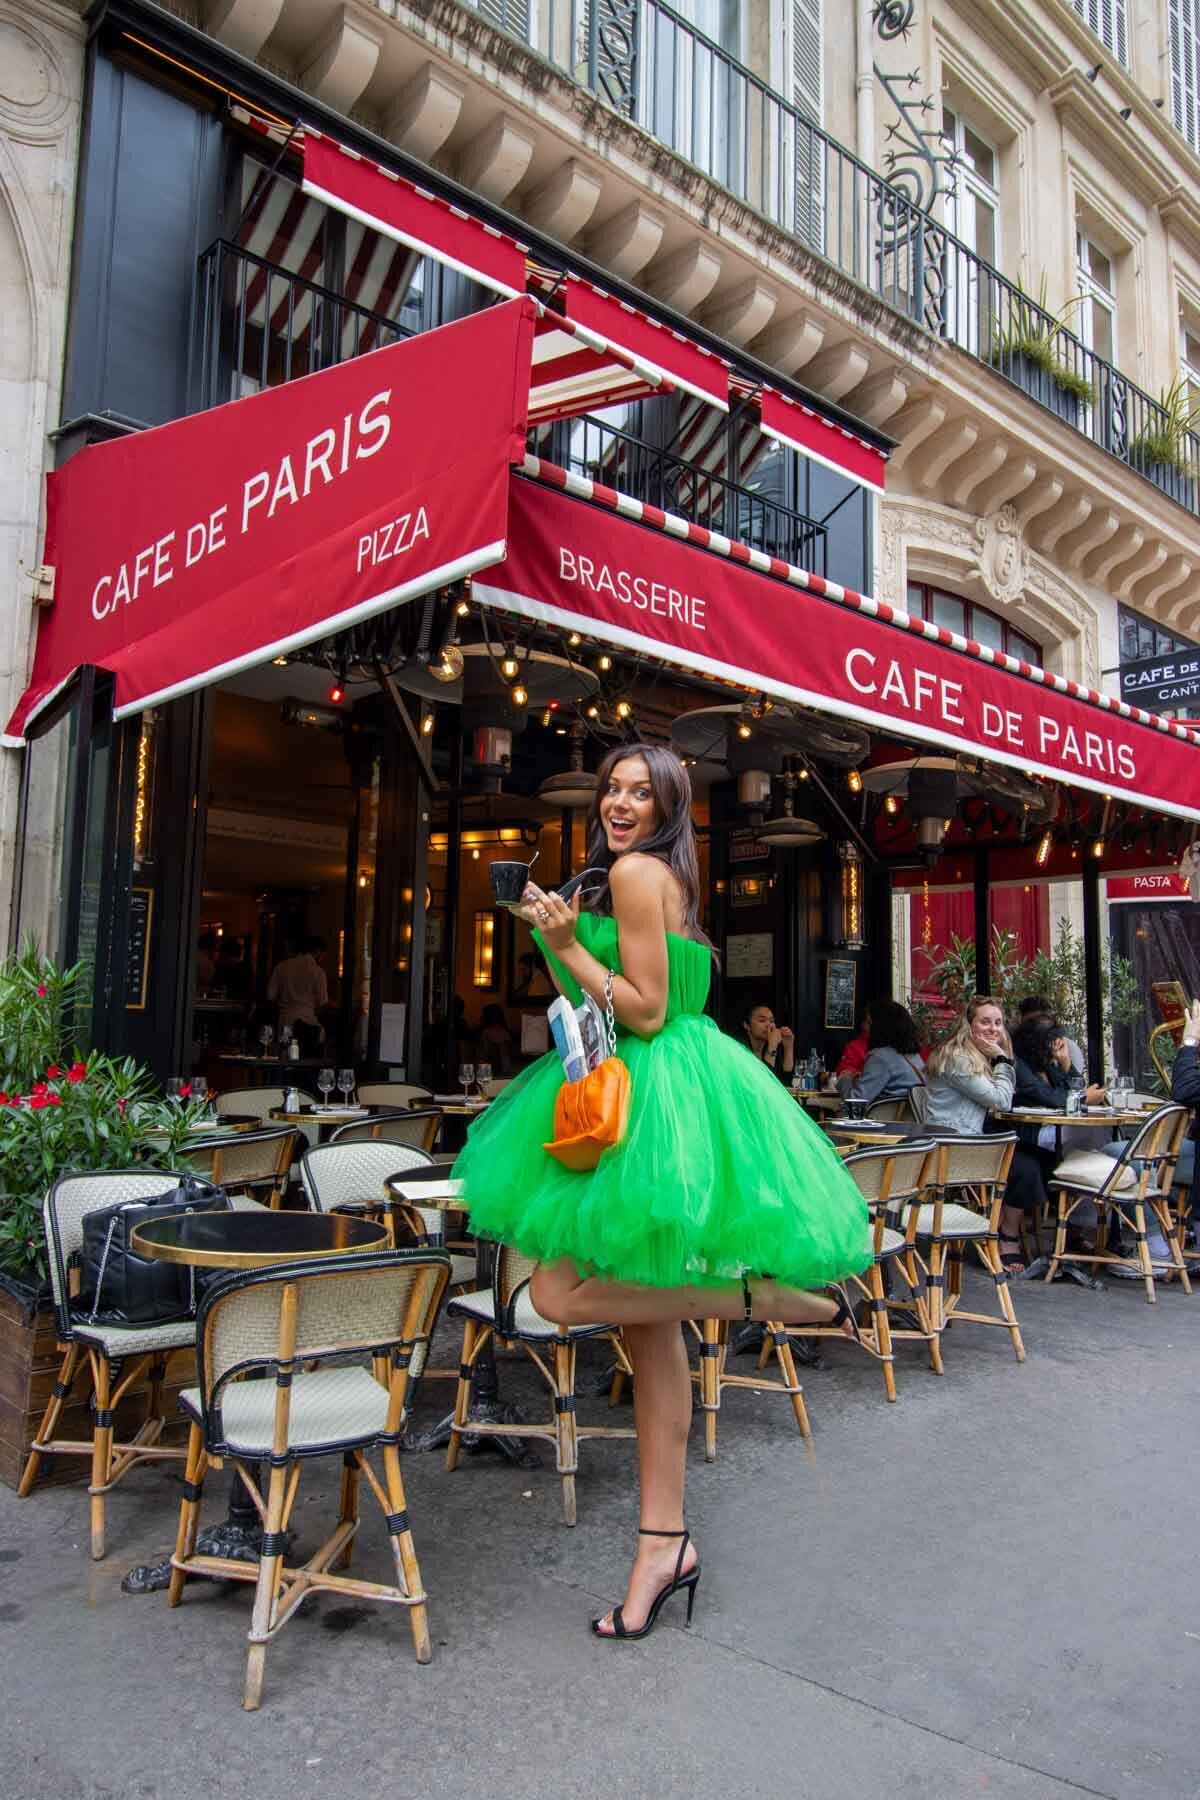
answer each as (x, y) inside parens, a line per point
(988, 1588)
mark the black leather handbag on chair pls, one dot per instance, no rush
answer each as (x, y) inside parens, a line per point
(119, 1287)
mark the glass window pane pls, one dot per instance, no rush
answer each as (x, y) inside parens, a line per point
(985, 230)
(1145, 639)
(1024, 648)
(1100, 268)
(949, 612)
(1129, 637)
(916, 600)
(1102, 330)
(980, 156)
(950, 124)
(987, 629)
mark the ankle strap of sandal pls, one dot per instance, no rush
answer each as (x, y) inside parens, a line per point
(643, 1531)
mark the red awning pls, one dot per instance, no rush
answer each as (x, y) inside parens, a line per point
(386, 202)
(658, 584)
(188, 552)
(834, 445)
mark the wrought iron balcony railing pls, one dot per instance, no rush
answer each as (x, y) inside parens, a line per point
(260, 325)
(660, 72)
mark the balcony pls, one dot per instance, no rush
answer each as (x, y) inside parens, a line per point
(260, 324)
(661, 73)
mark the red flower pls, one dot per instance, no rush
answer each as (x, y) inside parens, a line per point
(53, 1100)
(37, 1101)
(185, 1091)
(3, 1099)
(53, 1072)
(77, 1072)
(14, 1100)
(121, 1105)
(39, 1087)
(43, 990)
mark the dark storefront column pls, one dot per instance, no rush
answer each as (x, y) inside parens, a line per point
(1092, 969)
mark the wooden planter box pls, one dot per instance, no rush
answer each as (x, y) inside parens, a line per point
(30, 1356)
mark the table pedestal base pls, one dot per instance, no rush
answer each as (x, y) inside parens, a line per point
(238, 1538)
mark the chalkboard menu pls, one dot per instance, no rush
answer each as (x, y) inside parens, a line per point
(839, 994)
(137, 967)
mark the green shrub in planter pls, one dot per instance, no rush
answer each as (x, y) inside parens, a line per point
(60, 1111)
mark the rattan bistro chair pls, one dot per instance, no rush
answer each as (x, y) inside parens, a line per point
(965, 1182)
(275, 1322)
(712, 1375)
(505, 1311)
(116, 1356)
(891, 1180)
(391, 1093)
(891, 1110)
(417, 1127)
(353, 1178)
(260, 1101)
(252, 1167)
(1137, 1183)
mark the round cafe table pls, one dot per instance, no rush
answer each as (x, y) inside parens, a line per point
(241, 1240)
(327, 1119)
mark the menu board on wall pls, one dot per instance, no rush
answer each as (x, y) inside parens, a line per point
(748, 954)
(839, 994)
(137, 955)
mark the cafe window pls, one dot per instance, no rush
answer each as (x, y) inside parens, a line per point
(970, 621)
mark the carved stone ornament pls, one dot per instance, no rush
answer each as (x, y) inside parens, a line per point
(1001, 565)
(926, 541)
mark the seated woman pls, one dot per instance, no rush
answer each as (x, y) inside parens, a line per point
(971, 1074)
(853, 1059)
(894, 1064)
(773, 1044)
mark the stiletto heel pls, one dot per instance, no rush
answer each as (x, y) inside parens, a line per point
(677, 1583)
(847, 1310)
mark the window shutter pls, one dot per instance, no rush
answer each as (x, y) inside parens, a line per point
(1107, 19)
(1185, 68)
(512, 16)
(808, 97)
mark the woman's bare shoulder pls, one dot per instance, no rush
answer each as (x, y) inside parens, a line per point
(635, 876)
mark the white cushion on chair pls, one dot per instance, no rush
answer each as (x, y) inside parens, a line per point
(1090, 1169)
(330, 1407)
(135, 1340)
(527, 1320)
(462, 1270)
(957, 1221)
(893, 1242)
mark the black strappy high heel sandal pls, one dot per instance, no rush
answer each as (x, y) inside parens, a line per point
(677, 1582)
(847, 1310)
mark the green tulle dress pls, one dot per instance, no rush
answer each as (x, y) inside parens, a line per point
(720, 1173)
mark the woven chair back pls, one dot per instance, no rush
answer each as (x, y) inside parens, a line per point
(417, 1127)
(891, 1178)
(891, 1110)
(1154, 1148)
(345, 1306)
(355, 1174)
(251, 1157)
(259, 1101)
(390, 1093)
(512, 1272)
(71, 1198)
(973, 1161)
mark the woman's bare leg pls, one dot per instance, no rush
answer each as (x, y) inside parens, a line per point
(563, 1296)
(662, 1405)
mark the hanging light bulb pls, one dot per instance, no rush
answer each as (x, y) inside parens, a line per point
(854, 781)
(891, 805)
(547, 716)
(427, 725)
(605, 664)
(510, 668)
(574, 640)
(593, 712)
(463, 608)
(623, 709)
(745, 729)
(337, 693)
(520, 695)
(1097, 847)
(449, 665)
(1045, 845)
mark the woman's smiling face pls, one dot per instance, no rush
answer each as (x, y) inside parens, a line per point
(628, 812)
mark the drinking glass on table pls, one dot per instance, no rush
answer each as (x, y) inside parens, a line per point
(264, 1037)
(345, 1081)
(325, 1082)
(466, 1076)
(175, 1088)
(200, 1091)
(483, 1074)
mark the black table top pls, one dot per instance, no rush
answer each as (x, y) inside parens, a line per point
(246, 1240)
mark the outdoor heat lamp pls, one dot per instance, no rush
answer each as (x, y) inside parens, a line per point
(753, 760)
(489, 719)
(932, 804)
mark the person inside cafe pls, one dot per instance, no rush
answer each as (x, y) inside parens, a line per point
(894, 1065)
(773, 1044)
(853, 1059)
(1034, 1005)
(299, 990)
(495, 1045)
(971, 1074)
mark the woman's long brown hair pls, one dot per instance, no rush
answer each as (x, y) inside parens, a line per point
(673, 839)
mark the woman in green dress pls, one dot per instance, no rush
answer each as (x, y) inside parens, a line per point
(719, 1178)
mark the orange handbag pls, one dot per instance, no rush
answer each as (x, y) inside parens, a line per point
(590, 1114)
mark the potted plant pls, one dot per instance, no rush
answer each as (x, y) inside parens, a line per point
(59, 1111)
(1028, 348)
(1165, 451)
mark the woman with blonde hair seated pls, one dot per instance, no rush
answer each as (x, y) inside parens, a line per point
(971, 1076)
